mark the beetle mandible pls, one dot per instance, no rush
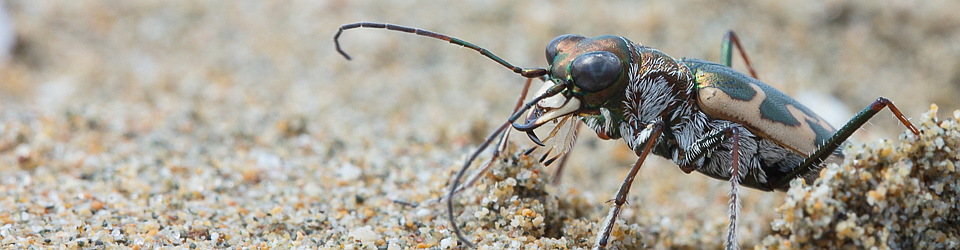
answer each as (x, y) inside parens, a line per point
(704, 116)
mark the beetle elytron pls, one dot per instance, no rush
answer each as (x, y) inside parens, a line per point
(704, 116)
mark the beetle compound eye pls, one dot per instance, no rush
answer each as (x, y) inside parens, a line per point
(552, 46)
(595, 71)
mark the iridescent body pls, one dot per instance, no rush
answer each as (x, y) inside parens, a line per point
(704, 116)
(692, 98)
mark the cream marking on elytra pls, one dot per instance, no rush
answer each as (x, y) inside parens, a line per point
(800, 138)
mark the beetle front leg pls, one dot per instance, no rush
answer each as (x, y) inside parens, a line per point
(501, 146)
(652, 133)
(828, 147)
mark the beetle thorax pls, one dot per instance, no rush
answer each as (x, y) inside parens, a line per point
(657, 89)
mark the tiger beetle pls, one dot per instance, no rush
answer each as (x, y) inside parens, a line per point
(705, 116)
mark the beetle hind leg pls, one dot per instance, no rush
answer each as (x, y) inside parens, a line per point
(831, 145)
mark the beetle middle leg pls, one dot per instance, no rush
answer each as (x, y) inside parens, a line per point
(711, 140)
(831, 145)
(734, 189)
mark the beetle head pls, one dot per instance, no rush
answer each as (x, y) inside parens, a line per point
(592, 70)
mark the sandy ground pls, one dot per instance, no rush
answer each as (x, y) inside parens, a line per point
(235, 124)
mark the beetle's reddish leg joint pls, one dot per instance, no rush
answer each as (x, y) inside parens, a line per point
(884, 102)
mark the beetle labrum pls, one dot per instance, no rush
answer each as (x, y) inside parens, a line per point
(700, 114)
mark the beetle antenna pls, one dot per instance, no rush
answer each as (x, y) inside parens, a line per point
(528, 72)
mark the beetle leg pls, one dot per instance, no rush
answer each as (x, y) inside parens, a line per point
(699, 148)
(734, 189)
(653, 133)
(726, 51)
(828, 147)
(501, 147)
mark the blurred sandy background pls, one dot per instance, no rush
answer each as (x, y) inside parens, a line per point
(190, 120)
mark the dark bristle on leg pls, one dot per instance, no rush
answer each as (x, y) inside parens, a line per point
(529, 150)
(543, 157)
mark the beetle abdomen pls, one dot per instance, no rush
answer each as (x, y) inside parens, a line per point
(763, 162)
